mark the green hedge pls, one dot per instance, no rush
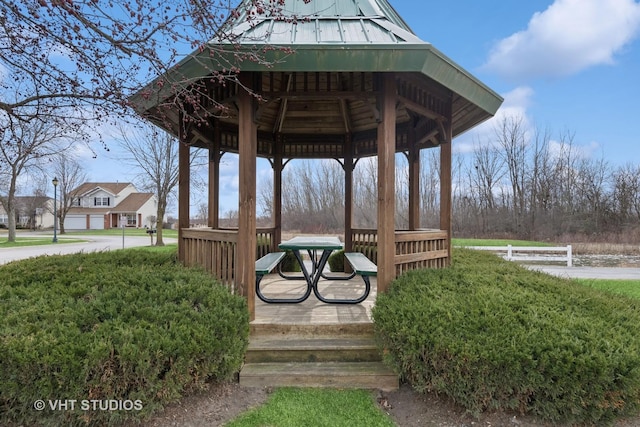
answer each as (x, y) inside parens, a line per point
(493, 335)
(125, 325)
(289, 263)
(336, 261)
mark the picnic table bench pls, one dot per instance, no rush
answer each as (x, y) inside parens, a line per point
(362, 266)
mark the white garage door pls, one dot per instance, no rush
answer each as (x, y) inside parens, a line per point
(96, 222)
(75, 222)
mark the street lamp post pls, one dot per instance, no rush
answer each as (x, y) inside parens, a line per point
(55, 209)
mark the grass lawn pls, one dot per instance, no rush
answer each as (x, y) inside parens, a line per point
(172, 247)
(624, 287)
(35, 241)
(496, 242)
(118, 232)
(293, 407)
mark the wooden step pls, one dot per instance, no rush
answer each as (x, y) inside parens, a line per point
(335, 329)
(318, 348)
(368, 375)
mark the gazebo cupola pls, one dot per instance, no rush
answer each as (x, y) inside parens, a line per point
(335, 79)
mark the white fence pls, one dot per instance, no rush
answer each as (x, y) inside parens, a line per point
(531, 253)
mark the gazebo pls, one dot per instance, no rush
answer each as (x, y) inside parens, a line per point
(337, 80)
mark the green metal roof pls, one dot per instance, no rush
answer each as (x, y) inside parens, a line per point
(322, 21)
(329, 35)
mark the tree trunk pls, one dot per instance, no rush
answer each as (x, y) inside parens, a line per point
(11, 208)
(159, 223)
(11, 212)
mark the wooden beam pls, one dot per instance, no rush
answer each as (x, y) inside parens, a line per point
(429, 138)
(184, 177)
(386, 181)
(282, 109)
(318, 96)
(248, 149)
(446, 186)
(420, 109)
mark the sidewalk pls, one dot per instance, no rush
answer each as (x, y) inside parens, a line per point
(620, 273)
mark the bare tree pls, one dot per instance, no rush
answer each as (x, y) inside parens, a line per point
(511, 137)
(71, 175)
(154, 154)
(203, 212)
(430, 188)
(486, 171)
(541, 179)
(626, 194)
(85, 58)
(365, 193)
(592, 176)
(313, 196)
(24, 146)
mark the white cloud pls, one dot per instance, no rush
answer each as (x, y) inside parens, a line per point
(570, 36)
(516, 104)
(560, 148)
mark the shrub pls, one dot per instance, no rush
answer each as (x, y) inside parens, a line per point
(336, 261)
(493, 335)
(124, 325)
(289, 262)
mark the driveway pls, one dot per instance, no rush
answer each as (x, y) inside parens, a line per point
(621, 273)
(92, 244)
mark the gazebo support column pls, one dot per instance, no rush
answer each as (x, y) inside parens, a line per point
(248, 148)
(386, 181)
(184, 177)
(214, 178)
(348, 195)
(277, 194)
(446, 216)
(414, 182)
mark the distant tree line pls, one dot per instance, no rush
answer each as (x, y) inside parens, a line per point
(518, 183)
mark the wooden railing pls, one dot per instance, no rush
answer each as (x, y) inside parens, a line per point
(414, 249)
(216, 250)
(421, 249)
(366, 242)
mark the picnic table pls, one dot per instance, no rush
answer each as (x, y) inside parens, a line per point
(313, 245)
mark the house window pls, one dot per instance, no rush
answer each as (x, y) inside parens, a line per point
(4, 219)
(131, 220)
(101, 201)
(75, 201)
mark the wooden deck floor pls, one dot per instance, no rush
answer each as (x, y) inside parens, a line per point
(312, 311)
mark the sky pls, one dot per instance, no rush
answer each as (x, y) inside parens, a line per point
(563, 66)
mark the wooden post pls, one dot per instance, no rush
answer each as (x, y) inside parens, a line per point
(414, 182)
(446, 183)
(214, 178)
(184, 177)
(348, 195)
(386, 181)
(248, 149)
(277, 193)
